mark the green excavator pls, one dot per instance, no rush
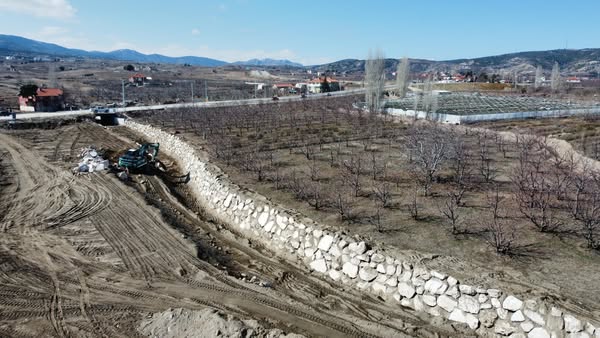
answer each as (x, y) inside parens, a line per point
(140, 158)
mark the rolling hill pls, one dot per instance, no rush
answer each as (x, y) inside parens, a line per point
(16, 44)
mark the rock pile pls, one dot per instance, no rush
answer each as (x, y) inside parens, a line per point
(352, 262)
(91, 161)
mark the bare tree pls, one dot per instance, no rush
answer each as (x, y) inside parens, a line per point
(427, 148)
(555, 77)
(538, 77)
(317, 198)
(500, 235)
(460, 162)
(402, 76)
(382, 193)
(487, 168)
(377, 218)
(535, 197)
(374, 81)
(297, 185)
(413, 204)
(314, 170)
(353, 169)
(450, 209)
(343, 203)
(589, 217)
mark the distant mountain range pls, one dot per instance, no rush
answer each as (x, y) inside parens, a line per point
(17, 44)
(571, 61)
(268, 62)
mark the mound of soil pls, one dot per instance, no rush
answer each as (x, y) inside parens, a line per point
(205, 323)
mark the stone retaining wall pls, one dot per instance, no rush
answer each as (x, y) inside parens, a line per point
(352, 262)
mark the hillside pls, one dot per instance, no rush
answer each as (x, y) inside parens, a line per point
(10, 44)
(571, 61)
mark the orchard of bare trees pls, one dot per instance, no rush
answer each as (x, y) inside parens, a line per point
(367, 171)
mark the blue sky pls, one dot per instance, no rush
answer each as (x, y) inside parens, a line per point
(307, 31)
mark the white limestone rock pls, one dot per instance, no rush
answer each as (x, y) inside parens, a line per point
(262, 219)
(295, 244)
(367, 274)
(504, 328)
(392, 281)
(358, 248)
(378, 287)
(466, 289)
(325, 242)
(406, 290)
(438, 275)
(320, 265)
(459, 316)
(390, 269)
(335, 251)
(572, 324)
(447, 303)
(538, 332)
(378, 258)
(405, 276)
(381, 268)
(527, 326)
(429, 300)
(589, 328)
(512, 303)
(517, 317)
(406, 303)
(488, 318)
(350, 269)
(452, 281)
(309, 252)
(468, 304)
(269, 226)
(535, 317)
(335, 275)
(453, 292)
(436, 286)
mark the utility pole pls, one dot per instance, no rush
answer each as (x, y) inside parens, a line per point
(205, 92)
(192, 91)
(123, 91)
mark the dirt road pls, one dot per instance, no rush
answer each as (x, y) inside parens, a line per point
(91, 256)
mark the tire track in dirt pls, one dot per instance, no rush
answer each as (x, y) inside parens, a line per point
(162, 269)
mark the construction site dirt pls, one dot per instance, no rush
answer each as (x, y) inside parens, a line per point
(90, 255)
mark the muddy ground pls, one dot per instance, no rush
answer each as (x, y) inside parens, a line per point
(87, 256)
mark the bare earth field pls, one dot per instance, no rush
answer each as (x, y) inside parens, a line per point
(93, 256)
(305, 156)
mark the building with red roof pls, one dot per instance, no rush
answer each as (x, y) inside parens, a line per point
(45, 100)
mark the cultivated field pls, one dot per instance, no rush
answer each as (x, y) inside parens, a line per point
(93, 256)
(489, 208)
(583, 133)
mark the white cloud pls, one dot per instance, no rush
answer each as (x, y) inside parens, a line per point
(195, 31)
(60, 9)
